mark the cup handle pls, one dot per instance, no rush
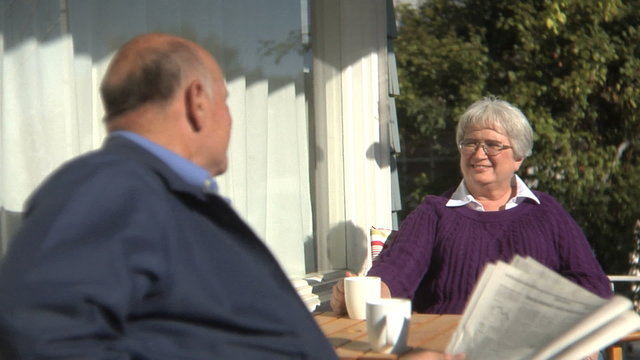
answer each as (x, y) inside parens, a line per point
(389, 333)
(393, 332)
(387, 346)
(385, 331)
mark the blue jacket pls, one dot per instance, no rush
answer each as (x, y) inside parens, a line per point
(119, 258)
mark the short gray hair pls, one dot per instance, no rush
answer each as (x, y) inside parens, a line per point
(500, 115)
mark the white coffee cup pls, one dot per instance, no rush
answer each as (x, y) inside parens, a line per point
(388, 324)
(357, 291)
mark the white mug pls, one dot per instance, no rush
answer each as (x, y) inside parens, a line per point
(388, 324)
(357, 291)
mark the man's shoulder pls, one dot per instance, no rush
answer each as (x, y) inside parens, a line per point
(100, 164)
(99, 174)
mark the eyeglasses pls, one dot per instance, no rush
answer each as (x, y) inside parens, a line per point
(490, 147)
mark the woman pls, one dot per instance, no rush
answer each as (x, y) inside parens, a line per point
(445, 243)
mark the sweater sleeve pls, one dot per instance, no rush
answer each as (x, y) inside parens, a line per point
(577, 260)
(403, 265)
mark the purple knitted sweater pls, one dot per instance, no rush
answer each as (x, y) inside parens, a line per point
(439, 252)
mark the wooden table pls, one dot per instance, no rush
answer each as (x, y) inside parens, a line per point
(349, 337)
(614, 351)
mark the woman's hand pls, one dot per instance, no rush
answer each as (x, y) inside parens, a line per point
(338, 304)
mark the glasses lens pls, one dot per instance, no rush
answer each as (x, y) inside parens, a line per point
(490, 148)
(468, 146)
(493, 147)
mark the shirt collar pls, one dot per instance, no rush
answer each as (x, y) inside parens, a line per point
(462, 197)
(187, 170)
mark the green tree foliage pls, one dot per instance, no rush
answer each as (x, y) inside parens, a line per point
(572, 66)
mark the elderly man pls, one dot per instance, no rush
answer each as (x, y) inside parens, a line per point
(129, 252)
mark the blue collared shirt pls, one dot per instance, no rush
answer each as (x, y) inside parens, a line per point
(190, 172)
(462, 196)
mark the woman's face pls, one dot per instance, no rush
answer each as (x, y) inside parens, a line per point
(489, 172)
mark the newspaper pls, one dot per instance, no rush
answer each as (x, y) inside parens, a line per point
(523, 310)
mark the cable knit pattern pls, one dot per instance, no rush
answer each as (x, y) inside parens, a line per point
(439, 252)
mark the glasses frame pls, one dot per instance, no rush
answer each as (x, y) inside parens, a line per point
(483, 145)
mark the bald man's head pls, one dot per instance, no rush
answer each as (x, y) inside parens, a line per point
(149, 68)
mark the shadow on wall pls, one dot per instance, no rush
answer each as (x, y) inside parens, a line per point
(355, 249)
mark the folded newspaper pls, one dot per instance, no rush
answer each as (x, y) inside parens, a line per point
(524, 310)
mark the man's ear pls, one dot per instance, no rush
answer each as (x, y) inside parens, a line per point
(195, 104)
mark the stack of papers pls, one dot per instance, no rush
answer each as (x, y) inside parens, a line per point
(524, 310)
